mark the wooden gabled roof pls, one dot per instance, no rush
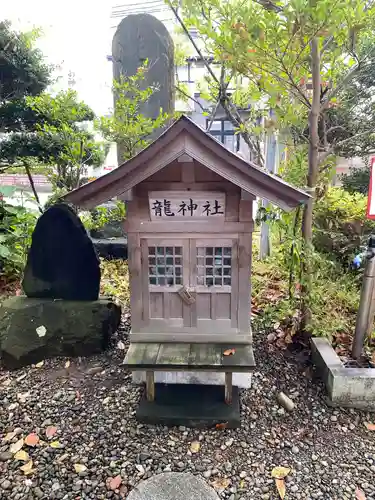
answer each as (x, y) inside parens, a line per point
(185, 137)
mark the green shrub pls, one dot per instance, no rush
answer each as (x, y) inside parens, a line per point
(334, 298)
(16, 227)
(357, 180)
(340, 224)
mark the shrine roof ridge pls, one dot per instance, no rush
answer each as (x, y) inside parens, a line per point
(184, 136)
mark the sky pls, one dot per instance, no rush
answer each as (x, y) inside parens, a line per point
(77, 37)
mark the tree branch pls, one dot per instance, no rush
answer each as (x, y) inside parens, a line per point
(31, 180)
(189, 97)
(230, 109)
(330, 95)
(209, 69)
(268, 5)
(331, 150)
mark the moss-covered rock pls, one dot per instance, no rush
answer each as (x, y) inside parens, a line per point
(71, 328)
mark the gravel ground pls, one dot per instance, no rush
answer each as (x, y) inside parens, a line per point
(100, 451)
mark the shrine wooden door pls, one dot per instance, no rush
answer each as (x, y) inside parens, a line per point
(207, 267)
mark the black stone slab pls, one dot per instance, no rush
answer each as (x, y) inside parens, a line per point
(190, 405)
(62, 262)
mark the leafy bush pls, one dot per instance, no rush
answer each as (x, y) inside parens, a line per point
(340, 224)
(16, 227)
(357, 180)
(334, 300)
(104, 216)
(115, 280)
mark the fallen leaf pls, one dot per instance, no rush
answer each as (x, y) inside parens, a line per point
(32, 439)
(370, 427)
(113, 483)
(14, 447)
(229, 352)
(195, 446)
(55, 444)
(21, 455)
(280, 485)
(80, 468)
(40, 364)
(8, 437)
(41, 331)
(51, 431)
(280, 472)
(67, 364)
(220, 484)
(27, 468)
(120, 345)
(359, 494)
(222, 425)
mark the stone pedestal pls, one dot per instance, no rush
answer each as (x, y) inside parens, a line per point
(199, 406)
(35, 329)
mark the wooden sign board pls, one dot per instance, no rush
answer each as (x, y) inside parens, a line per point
(371, 191)
(186, 205)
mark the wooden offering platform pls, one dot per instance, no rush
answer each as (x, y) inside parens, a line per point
(151, 357)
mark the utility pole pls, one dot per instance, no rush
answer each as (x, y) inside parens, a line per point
(271, 166)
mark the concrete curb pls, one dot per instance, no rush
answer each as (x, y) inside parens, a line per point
(349, 387)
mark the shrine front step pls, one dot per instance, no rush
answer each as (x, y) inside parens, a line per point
(190, 405)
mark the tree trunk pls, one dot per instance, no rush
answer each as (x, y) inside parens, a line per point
(313, 166)
(31, 180)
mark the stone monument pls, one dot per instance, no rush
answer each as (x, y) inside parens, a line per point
(142, 37)
(62, 314)
(62, 262)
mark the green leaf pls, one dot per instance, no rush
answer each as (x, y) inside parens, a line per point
(4, 252)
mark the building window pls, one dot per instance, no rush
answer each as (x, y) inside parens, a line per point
(165, 266)
(184, 73)
(223, 130)
(214, 266)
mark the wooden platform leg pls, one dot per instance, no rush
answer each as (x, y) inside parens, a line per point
(150, 386)
(228, 388)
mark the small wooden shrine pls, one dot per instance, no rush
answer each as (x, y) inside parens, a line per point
(189, 224)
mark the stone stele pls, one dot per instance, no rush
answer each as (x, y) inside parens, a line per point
(62, 261)
(173, 486)
(141, 37)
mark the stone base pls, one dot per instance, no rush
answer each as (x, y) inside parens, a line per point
(173, 486)
(241, 380)
(347, 387)
(191, 406)
(32, 330)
